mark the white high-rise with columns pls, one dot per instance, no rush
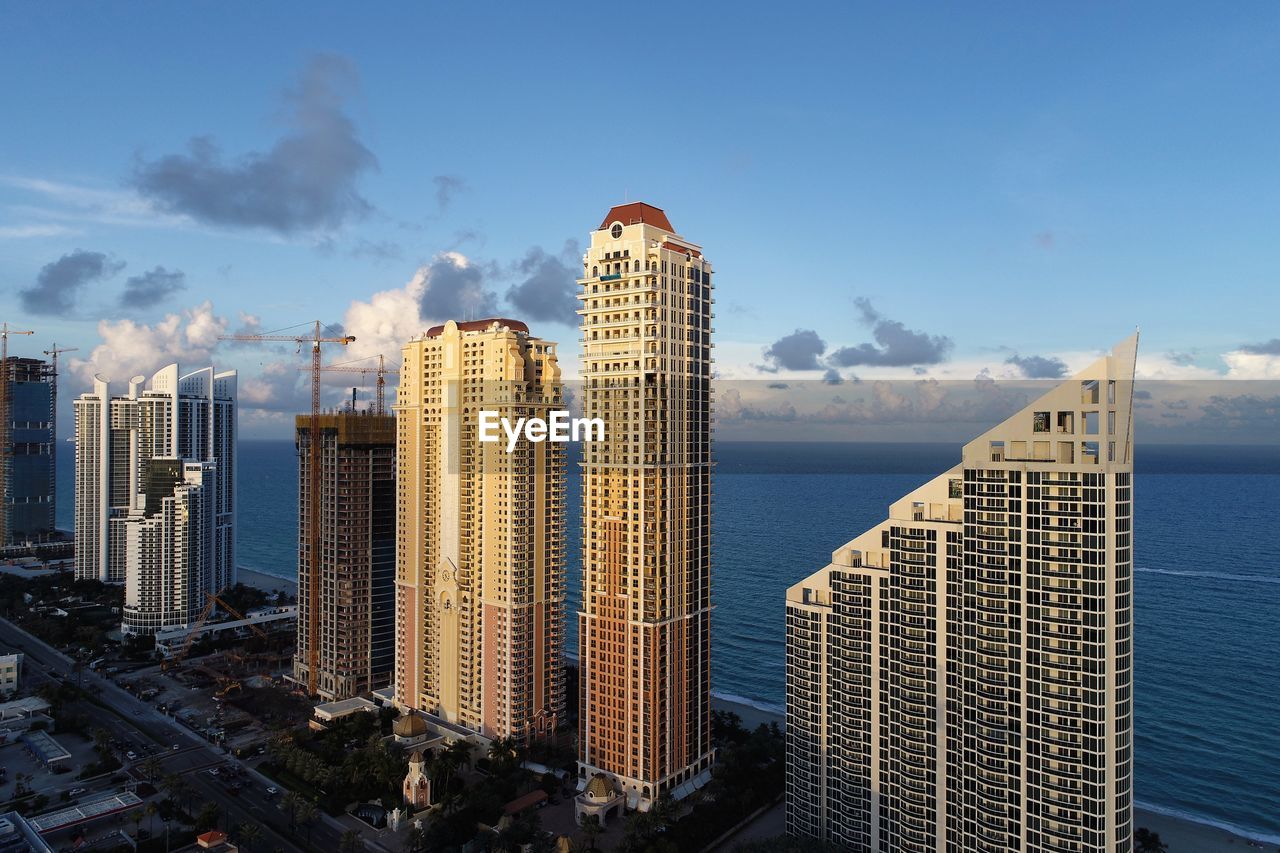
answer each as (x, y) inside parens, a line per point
(155, 490)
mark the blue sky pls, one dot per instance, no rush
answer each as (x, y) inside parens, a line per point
(1004, 179)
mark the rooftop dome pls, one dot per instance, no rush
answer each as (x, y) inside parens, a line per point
(600, 787)
(409, 725)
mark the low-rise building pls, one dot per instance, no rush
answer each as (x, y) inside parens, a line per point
(18, 836)
(10, 674)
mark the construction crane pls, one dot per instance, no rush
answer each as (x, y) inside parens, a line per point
(313, 593)
(6, 424)
(380, 371)
(52, 352)
(199, 624)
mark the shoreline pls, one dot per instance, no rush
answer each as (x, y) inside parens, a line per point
(266, 582)
(1182, 833)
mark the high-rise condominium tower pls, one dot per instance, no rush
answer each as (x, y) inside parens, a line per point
(146, 461)
(355, 622)
(480, 532)
(645, 624)
(28, 442)
(960, 677)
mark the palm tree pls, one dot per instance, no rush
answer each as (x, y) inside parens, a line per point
(1146, 841)
(152, 768)
(179, 790)
(591, 828)
(350, 842)
(150, 812)
(307, 813)
(208, 817)
(136, 817)
(459, 752)
(250, 834)
(290, 802)
(505, 755)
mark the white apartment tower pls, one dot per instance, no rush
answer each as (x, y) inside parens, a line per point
(960, 677)
(155, 492)
(644, 630)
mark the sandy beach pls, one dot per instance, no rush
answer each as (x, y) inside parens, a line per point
(267, 583)
(1181, 834)
(1187, 836)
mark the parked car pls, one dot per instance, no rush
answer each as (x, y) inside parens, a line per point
(131, 755)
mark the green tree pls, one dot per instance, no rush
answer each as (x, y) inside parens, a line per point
(459, 752)
(249, 835)
(504, 755)
(290, 803)
(591, 828)
(1146, 841)
(350, 842)
(208, 817)
(307, 814)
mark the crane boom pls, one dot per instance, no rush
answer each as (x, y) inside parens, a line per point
(381, 371)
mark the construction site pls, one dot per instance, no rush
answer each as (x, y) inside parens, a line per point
(224, 680)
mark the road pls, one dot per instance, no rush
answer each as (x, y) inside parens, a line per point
(150, 732)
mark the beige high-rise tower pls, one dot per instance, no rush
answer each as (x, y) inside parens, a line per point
(645, 623)
(480, 532)
(960, 677)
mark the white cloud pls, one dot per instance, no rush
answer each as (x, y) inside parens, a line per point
(1249, 365)
(24, 232)
(132, 349)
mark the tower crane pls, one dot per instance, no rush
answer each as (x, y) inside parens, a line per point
(6, 424)
(381, 371)
(200, 623)
(315, 340)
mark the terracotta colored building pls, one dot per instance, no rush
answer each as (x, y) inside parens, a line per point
(645, 623)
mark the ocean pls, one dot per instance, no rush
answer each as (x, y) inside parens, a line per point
(1207, 590)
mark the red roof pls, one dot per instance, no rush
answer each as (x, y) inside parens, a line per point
(211, 838)
(676, 247)
(528, 801)
(637, 211)
(481, 325)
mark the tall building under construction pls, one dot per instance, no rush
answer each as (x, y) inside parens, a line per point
(480, 568)
(349, 608)
(27, 446)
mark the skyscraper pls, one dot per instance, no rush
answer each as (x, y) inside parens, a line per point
(645, 625)
(480, 532)
(146, 459)
(355, 622)
(960, 676)
(28, 442)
